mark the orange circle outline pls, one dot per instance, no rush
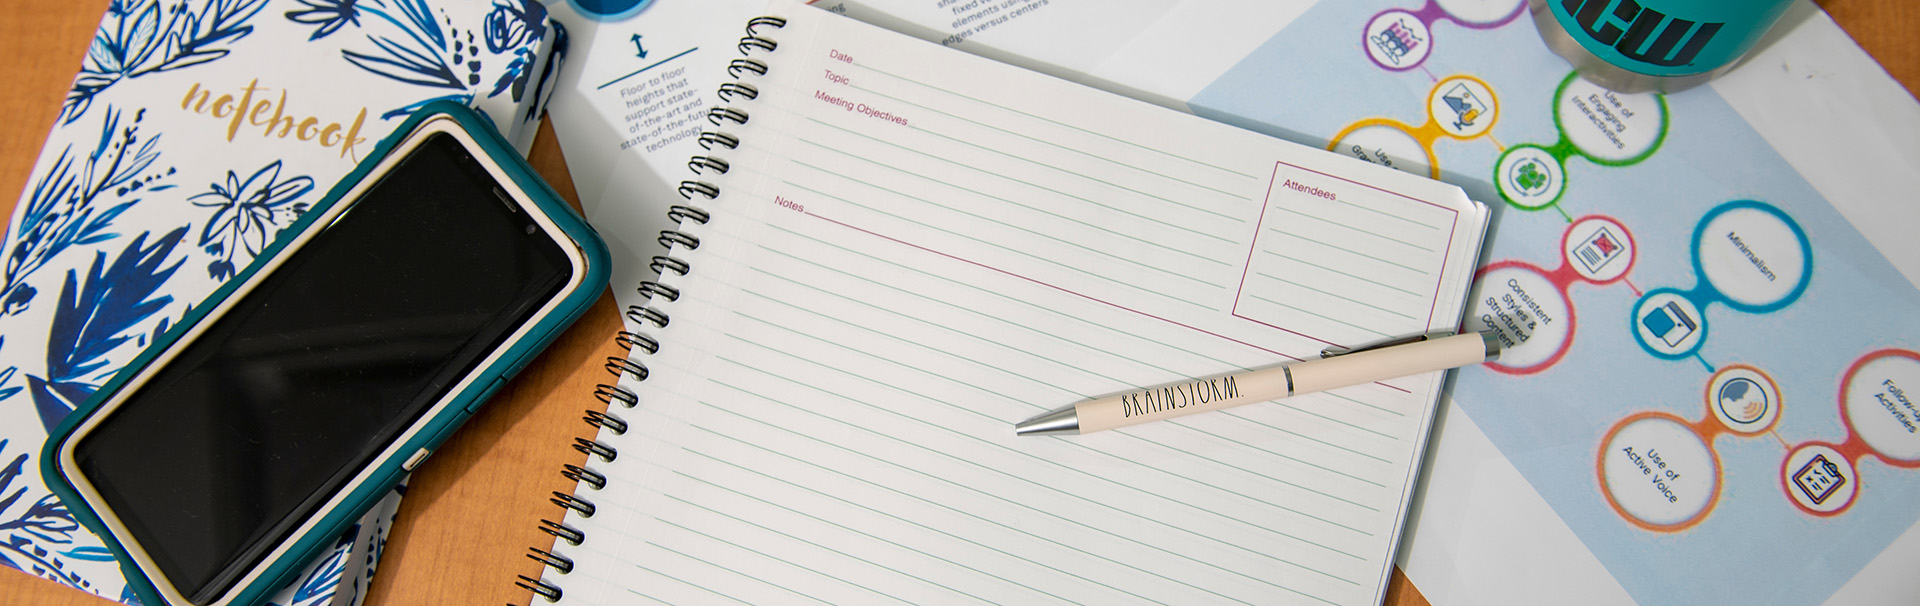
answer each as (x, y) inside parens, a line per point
(1846, 385)
(1600, 473)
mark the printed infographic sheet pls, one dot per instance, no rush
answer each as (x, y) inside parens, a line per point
(1710, 374)
(1709, 394)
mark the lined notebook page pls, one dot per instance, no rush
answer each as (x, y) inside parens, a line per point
(916, 248)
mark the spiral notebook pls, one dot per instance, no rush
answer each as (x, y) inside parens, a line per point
(891, 251)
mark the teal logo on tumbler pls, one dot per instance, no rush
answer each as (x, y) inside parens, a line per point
(1666, 37)
(1630, 28)
(609, 10)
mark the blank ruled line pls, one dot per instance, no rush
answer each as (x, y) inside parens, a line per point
(940, 428)
(1050, 285)
(975, 516)
(660, 601)
(915, 344)
(1335, 295)
(1029, 255)
(1053, 311)
(1366, 404)
(1343, 273)
(1239, 415)
(1179, 203)
(1350, 251)
(1306, 463)
(1059, 123)
(719, 567)
(1002, 176)
(992, 495)
(782, 301)
(1320, 316)
(1351, 227)
(921, 345)
(1128, 167)
(1333, 420)
(771, 556)
(893, 385)
(1131, 238)
(1033, 208)
(844, 527)
(966, 487)
(1293, 484)
(889, 514)
(1009, 248)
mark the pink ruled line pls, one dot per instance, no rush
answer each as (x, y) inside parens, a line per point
(1070, 292)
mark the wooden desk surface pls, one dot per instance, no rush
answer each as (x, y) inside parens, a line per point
(469, 514)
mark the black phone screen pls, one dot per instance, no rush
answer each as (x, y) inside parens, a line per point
(261, 420)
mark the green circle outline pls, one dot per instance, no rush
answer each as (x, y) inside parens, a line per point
(1500, 185)
(1666, 126)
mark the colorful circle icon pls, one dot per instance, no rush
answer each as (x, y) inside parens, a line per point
(1820, 480)
(1464, 107)
(1599, 249)
(1669, 325)
(1529, 177)
(1744, 399)
(1398, 40)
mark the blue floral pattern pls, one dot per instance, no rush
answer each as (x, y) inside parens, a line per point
(59, 211)
(414, 47)
(330, 15)
(248, 215)
(89, 268)
(140, 37)
(33, 531)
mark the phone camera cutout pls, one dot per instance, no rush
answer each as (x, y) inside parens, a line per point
(530, 229)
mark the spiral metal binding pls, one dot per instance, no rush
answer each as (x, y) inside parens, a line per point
(656, 289)
(585, 476)
(571, 535)
(747, 65)
(629, 340)
(558, 562)
(702, 164)
(606, 421)
(614, 393)
(540, 588)
(682, 214)
(755, 41)
(617, 365)
(719, 115)
(663, 264)
(708, 139)
(647, 315)
(731, 90)
(596, 448)
(580, 506)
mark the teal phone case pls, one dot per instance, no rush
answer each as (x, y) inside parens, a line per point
(279, 572)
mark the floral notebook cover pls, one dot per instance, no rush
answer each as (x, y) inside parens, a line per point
(194, 132)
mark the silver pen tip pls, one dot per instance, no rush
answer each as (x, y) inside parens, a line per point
(1056, 422)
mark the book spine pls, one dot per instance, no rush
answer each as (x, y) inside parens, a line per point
(701, 188)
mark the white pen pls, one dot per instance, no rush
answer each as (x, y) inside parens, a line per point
(1337, 367)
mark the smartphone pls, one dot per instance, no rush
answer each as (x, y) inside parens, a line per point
(283, 407)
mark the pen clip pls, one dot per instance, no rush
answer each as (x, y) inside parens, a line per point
(1336, 350)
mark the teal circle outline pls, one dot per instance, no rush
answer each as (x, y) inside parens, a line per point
(1806, 256)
